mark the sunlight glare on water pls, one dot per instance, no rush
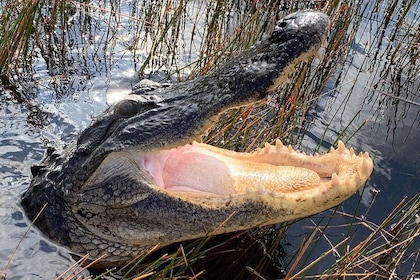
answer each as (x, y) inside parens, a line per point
(61, 96)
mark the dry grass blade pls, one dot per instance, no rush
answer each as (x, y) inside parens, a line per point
(6, 267)
(144, 276)
(254, 272)
(302, 271)
(160, 29)
(301, 253)
(132, 265)
(172, 265)
(79, 267)
(15, 30)
(379, 255)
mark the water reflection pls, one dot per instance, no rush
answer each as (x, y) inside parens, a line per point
(73, 73)
(376, 92)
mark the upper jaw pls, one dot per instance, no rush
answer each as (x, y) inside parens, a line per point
(143, 120)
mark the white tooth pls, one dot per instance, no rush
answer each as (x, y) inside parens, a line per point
(261, 190)
(290, 148)
(332, 149)
(352, 151)
(267, 147)
(341, 147)
(366, 154)
(279, 144)
(365, 164)
(335, 180)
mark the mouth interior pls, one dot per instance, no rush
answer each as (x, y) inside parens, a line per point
(203, 169)
(189, 169)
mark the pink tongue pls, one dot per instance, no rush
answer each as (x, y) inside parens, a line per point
(203, 169)
(188, 168)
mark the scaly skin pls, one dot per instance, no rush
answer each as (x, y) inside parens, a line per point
(132, 180)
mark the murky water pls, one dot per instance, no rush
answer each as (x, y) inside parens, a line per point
(55, 104)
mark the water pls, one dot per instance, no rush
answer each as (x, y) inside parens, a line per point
(391, 134)
(52, 104)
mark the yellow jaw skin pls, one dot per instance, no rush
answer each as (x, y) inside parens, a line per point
(276, 175)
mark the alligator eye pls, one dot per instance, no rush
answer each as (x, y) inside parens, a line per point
(127, 108)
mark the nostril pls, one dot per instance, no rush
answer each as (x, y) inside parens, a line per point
(282, 24)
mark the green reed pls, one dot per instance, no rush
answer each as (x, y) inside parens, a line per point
(162, 32)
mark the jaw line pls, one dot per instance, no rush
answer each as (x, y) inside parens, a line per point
(199, 171)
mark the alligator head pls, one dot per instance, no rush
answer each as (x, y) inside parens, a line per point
(136, 178)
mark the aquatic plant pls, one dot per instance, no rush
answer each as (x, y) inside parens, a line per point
(377, 255)
(177, 40)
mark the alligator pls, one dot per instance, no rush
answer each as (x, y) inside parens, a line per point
(138, 176)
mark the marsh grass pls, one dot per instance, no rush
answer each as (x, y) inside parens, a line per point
(376, 256)
(183, 39)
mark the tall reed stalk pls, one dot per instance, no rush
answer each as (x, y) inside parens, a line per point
(184, 39)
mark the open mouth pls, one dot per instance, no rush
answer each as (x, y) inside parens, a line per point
(202, 170)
